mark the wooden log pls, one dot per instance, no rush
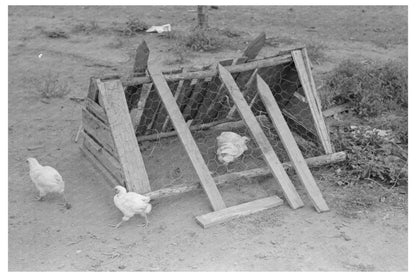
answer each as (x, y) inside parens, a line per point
(228, 179)
(270, 156)
(311, 97)
(214, 218)
(187, 140)
(290, 146)
(129, 154)
(99, 131)
(271, 61)
(142, 56)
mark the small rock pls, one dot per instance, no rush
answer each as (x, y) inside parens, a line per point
(121, 266)
(78, 251)
(273, 242)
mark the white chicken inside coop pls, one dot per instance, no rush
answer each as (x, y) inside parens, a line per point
(230, 146)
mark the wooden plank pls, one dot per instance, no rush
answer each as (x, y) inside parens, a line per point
(93, 90)
(197, 97)
(254, 47)
(311, 80)
(142, 56)
(166, 125)
(270, 156)
(131, 160)
(230, 178)
(311, 97)
(145, 108)
(137, 112)
(111, 164)
(187, 140)
(216, 103)
(212, 73)
(100, 131)
(96, 109)
(290, 146)
(97, 165)
(214, 218)
(266, 62)
(189, 99)
(233, 110)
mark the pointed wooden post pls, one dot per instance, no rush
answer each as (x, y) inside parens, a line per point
(312, 101)
(266, 148)
(290, 145)
(142, 56)
(187, 140)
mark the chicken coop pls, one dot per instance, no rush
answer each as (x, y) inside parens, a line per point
(156, 132)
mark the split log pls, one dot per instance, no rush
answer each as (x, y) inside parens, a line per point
(227, 179)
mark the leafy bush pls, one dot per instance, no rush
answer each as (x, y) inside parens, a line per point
(372, 155)
(371, 89)
(50, 86)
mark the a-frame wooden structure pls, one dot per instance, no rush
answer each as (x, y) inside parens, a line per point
(111, 126)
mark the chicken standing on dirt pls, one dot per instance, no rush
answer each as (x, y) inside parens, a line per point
(230, 146)
(131, 203)
(47, 180)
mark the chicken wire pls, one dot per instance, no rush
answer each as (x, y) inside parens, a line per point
(206, 101)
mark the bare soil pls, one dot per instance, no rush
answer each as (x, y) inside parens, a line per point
(360, 233)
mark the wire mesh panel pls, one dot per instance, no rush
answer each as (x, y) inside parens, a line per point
(209, 111)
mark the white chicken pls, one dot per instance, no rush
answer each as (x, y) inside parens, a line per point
(131, 203)
(230, 146)
(47, 180)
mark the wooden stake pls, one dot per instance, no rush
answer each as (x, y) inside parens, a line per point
(131, 160)
(187, 140)
(290, 146)
(270, 156)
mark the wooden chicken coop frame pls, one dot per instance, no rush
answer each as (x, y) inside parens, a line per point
(112, 129)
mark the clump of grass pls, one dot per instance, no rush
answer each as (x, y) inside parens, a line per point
(51, 86)
(134, 26)
(55, 33)
(87, 28)
(371, 89)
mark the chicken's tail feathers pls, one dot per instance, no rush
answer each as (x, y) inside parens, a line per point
(148, 208)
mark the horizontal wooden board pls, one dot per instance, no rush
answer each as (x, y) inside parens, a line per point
(217, 217)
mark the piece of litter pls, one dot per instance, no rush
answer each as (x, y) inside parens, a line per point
(40, 55)
(159, 29)
(78, 251)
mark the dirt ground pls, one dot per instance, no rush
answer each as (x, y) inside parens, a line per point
(44, 237)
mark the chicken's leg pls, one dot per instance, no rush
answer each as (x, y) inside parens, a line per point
(122, 220)
(147, 221)
(65, 203)
(40, 197)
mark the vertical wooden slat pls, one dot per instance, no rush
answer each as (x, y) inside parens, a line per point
(290, 146)
(187, 140)
(142, 56)
(311, 97)
(112, 94)
(137, 113)
(253, 125)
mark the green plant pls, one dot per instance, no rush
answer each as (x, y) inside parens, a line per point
(50, 86)
(372, 156)
(134, 26)
(371, 89)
